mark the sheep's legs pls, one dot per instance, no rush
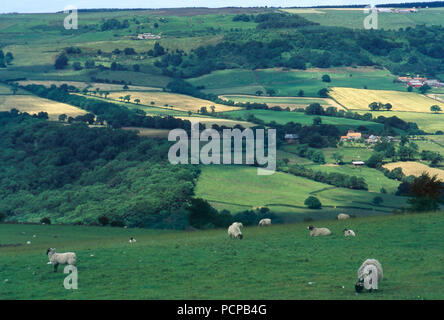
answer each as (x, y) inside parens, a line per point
(55, 267)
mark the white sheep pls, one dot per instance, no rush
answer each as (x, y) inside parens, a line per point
(265, 222)
(132, 240)
(234, 230)
(315, 232)
(61, 258)
(349, 233)
(363, 273)
(343, 216)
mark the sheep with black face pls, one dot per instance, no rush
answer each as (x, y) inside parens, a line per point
(365, 270)
(61, 258)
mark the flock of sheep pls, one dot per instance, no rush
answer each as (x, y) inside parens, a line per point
(234, 231)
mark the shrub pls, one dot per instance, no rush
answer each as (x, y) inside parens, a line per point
(377, 200)
(313, 203)
(45, 220)
(2, 216)
(103, 220)
(117, 223)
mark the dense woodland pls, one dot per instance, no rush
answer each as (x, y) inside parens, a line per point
(75, 174)
(290, 41)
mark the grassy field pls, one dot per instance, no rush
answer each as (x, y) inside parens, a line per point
(415, 168)
(289, 82)
(204, 264)
(359, 99)
(375, 179)
(172, 100)
(353, 18)
(283, 117)
(284, 102)
(429, 122)
(284, 194)
(33, 105)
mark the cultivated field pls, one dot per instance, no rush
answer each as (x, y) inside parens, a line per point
(415, 168)
(287, 83)
(34, 105)
(278, 262)
(284, 102)
(359, 99)
(172, 101)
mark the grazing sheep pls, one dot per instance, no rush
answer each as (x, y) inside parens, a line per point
(234, 230)
(132, 240)
(265, 222)
(363, 273)
(61, 258)
(349, 233)
(343, 216)
(315, 232)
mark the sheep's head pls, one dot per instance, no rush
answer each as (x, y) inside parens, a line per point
(359, 286)
(310, 228)
(50, 251)
(240, 237)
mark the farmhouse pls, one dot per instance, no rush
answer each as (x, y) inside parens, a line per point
(358, 163)
(148, 36)
(291, 137)
(373, 139)
(351, 135)
(420, 81)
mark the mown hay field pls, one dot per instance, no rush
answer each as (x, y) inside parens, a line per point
(34, 105)
(359, 99)
(415, 168)
(172, 101)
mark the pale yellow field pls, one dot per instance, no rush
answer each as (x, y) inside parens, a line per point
(359, 99)
(415, 168)
(174, 101)
(91, 86)
(209, 121)
(34, 105)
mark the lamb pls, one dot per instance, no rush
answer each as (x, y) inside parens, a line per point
(61, 258)
(315, 232)
(265, 222)
(343, 216)
(234, 230)
(349, 233)
(362, 273)
(132, 240)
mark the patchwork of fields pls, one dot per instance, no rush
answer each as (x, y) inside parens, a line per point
(359, 99)
(239, 188)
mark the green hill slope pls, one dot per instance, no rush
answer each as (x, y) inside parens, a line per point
(277, 262)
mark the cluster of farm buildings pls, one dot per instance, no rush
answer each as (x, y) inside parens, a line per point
(419, 82)
(394, 10)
